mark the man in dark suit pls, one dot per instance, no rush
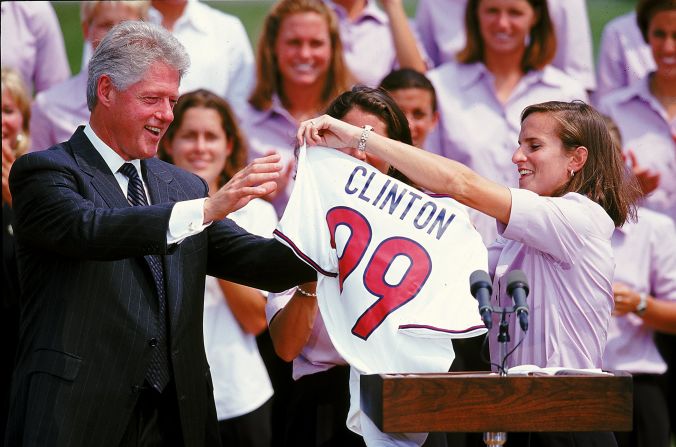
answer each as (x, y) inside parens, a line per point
(111, 349)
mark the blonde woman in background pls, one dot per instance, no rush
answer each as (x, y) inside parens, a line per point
(15, 140)
(204, 139)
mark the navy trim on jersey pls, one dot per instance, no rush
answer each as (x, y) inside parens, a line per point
(302, 255)
(437, 329)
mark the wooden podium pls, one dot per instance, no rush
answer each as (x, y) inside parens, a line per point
(485, 402)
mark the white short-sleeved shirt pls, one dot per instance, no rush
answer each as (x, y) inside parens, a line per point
(241, 381)
(221, 58)
(562, 244)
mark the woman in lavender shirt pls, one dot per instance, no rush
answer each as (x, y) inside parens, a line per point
(556, 228)
(300, 68)
(645, 111)
(644, 289)
(645, 302)
(504, 66)
(440, 26)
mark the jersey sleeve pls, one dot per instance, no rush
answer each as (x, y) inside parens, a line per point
(303, 226)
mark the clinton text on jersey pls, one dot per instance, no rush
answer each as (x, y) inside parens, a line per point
(397, 199)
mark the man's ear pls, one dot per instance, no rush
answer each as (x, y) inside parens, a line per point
(578, 158)
(105, 90)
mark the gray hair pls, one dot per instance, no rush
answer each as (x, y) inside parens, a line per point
(127, 52)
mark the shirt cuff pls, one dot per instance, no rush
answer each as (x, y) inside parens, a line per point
(186, 220)
(276, 302)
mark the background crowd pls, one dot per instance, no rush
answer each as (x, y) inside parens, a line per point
(461, 72)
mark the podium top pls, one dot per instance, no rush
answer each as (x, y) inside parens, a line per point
(488, 402)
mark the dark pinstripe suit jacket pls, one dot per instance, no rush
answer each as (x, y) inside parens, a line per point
(88, 303)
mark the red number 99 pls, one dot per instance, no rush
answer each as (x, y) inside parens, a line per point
(390, 296)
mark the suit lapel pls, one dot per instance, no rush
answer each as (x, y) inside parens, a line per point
(161, 188)
(91, 163)
(159, 181)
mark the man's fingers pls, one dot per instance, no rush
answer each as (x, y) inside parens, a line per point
(259, 190)
(270, 157)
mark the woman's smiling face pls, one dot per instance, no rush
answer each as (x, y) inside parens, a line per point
(542, 161)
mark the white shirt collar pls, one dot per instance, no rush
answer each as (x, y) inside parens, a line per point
(193, 16)
(112, 158)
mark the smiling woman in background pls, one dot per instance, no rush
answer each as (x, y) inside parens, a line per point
(205, 140)
(300, 69)
(504, 67)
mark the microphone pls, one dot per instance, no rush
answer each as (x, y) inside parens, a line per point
(480, 286)
(517, 288)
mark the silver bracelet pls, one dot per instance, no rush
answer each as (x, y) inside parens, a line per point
(306, 293)
(364, 136)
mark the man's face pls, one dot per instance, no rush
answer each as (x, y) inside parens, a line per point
(138, 117)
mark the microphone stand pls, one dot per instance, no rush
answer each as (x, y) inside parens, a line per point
(497, 439)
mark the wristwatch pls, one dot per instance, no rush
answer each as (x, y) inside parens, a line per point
(642, 305)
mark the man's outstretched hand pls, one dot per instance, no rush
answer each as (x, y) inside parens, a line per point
(257, 179)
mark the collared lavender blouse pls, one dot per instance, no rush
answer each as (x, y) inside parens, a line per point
(32, 43)
(441, 27)
(476, 129)
(58, 111)
(624, 57)
(647, 130)
(563, 246)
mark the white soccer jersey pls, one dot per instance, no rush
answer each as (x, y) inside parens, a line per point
(395, 263)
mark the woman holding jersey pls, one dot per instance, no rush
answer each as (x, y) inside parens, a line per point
(556, 227)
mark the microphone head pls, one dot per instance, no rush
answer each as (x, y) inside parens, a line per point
(478, 279)
(517, 278)
(523, 321)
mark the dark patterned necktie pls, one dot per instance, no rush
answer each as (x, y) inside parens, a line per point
(158, 373)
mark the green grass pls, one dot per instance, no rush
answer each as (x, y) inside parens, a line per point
(252, 12)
